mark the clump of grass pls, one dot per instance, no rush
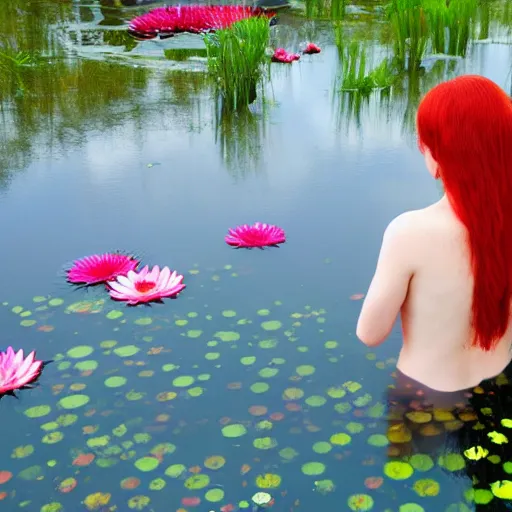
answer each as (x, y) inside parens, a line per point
(450, 25)
(236, 59)
(12, 63)
(411, 33)
(357, 77)
(326, 9)
(445, 24)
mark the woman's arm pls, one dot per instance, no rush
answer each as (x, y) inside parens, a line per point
(390, 283)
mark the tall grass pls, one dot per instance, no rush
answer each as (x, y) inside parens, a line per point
(236, 60)
(357, 76)
(444, 24)
(409, 24)
(326, 9)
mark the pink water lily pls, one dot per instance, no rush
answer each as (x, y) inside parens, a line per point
(281, 55)
(17, 371)
(146, 285)
(99, 268)
(257, 235)
(311, 48)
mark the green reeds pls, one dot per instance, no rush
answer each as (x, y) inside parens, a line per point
(326, 9)
(409, 23)
(446, 24)
(236, 59)
(357, 77)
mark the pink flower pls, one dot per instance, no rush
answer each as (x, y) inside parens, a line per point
(173, 19)
(257, 235)
(99, 268)
(146, 286)
(311, 48)
(281, 55)
(17, 371)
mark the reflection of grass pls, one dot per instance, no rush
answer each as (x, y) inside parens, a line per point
(239, 135)
(11, 63)
(236, 58)
(183, 54)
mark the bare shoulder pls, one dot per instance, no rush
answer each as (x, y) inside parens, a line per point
(418, 225)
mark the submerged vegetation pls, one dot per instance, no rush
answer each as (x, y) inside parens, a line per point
(237, 58)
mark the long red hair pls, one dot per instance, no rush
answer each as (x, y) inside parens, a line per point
(466, 123)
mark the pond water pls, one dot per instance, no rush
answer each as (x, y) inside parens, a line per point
(253, 379)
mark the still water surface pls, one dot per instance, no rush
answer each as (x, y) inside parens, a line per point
(104, 153)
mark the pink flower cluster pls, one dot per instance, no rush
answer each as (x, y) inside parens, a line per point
(123, 281)
(173, 19)
(281, 55)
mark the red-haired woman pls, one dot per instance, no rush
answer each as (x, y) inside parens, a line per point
(448, 268)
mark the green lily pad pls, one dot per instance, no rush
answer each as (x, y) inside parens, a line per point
(38, 411)
(183, 381)
(322, 447)
(360, 502)
(146, 463)
(235, 430)
(271, 325)
(80, 351)
(196, 482)
(126, 351)
(73, 401)
(115, 382)
(305, 370)
(313, 468)
(214, 495)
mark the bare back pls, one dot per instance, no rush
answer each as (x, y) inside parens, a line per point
(436, 313)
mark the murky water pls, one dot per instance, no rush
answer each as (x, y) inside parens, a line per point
(109, 144)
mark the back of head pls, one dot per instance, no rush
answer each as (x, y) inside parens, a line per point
(466, 124)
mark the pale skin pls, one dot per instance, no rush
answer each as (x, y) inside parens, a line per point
(423, 273)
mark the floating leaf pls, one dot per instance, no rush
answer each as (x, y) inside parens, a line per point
(183, 381)
(305, 370)
(146, 464)
(397, 470)
(322, 447)
(115, 382)
(421, 462)
(360, 502)
(126, 351)
(313, 468)
(340, 439)
(80, 351)
(214, 495)
(175, 470)
(73, 401)
(196, 482)
(264, 443)
(214, 462)
(236, 430)
(271, 325)
(268, 481)
(38, 411)
(452, 461)
(426, 487)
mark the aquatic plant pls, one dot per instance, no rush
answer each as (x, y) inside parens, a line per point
(146, 286)
(236, 58)
(100, 268)
(17, 371)
(450, 25)
(256, 235)
(311, 48)
(281, 55)
(326, 9)
(411, 34)
(170, 20)
(355, 76)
